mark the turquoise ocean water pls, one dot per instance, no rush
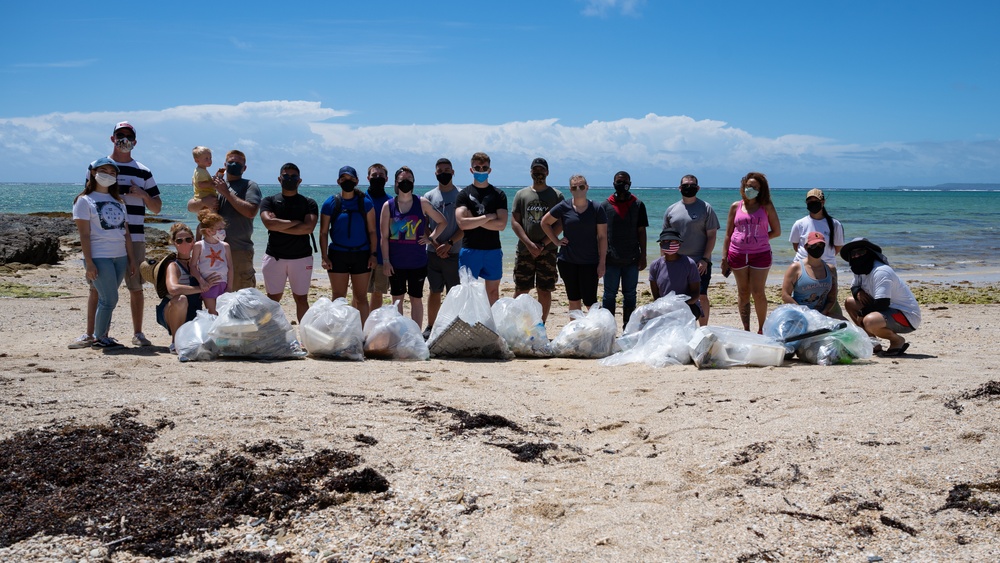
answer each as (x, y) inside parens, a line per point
(928, 234)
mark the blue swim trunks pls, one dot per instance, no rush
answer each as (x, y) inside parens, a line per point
(485, 264)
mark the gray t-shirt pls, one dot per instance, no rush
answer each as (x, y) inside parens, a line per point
(531, 206)
(239, 229)
(444, 202)
(692, 222)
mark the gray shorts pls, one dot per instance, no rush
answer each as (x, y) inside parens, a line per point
(442, 272)
(896, 321)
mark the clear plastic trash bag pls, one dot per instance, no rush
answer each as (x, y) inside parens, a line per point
(722, 347)
(838, 342)
(391, 336)
(519, 323)
(332, 329)
(659, 337)
(465, 327)
(251, 325)
(192, 342)
(590, 335)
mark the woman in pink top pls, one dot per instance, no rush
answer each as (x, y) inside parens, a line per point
(752, 224)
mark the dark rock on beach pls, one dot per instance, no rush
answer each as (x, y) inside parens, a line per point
(40, 238)
(32, 239)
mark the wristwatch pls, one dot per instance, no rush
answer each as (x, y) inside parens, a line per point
(707, 261)
(375, 254)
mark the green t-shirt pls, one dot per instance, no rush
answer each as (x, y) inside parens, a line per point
(531, 206)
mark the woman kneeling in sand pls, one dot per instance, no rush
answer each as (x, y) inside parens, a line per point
(183, 298)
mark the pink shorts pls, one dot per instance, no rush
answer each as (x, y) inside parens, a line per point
(214, 291)
(757, 260)
(298, 272)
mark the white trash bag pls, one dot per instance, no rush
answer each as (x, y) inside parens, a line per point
(590, 335)
(659, 336)
(192, 342)
(464, 327)
(251, 325)
(332, 329)
(391, 336)
(723, 347)
(519, 323)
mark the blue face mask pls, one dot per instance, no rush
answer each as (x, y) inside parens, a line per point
(481, 177)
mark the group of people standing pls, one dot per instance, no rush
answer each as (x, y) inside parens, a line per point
(377, 243)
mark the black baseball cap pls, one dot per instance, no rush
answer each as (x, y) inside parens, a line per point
(540, 162)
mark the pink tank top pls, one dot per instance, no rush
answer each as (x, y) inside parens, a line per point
(750, 232)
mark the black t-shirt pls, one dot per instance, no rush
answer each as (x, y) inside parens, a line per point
(291, 208)
(479, 202)
(623, 242)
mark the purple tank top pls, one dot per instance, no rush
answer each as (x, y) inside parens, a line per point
(405, 231)
(750, 232)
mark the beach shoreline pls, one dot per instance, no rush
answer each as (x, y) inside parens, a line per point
(636, 463)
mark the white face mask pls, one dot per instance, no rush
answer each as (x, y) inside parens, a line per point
(751, 193)
(220, 235)
(105, 180)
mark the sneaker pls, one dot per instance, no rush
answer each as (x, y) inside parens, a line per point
(172, 348)
(427, 332)
(83, 341)
(106, 342)
(140, 340)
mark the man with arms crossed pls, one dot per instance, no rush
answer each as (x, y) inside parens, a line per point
(481, 212)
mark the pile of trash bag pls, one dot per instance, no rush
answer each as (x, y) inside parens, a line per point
(816, 338)
(464, 327)
(391, 336)
(332, 329)
(249, 325)
(590, 335)
(657, 334)
(519, 323)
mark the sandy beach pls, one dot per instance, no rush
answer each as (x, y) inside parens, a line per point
(892, 459)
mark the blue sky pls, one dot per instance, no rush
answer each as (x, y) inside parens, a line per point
(828, 94)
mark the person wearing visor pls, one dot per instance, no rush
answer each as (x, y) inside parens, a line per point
(811, 282)
(880, 302)
(674, 272)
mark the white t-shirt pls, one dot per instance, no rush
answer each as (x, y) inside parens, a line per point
(107, 218)
(883, 282)
(804, 226)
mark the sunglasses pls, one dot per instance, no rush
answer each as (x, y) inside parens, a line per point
(289, 177)
(859, 253)
(689, 185)
(184, 240)
(120, 136)
(481, 168)
(577, 188)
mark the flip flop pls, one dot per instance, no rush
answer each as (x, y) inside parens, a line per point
(897, 351)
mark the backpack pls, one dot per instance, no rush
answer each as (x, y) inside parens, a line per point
(338, 208)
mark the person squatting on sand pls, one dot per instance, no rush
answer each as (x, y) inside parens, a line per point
(289, 218)
(819, 220)
(211, 255)
(626, 257)
(811, 282)
(481, 211)
(583, 247)
(698, 225)
(348, 219)
(184, 291)
(404, 243)
(751, 225)
(674, 272)
(535, 260)
(880, 302)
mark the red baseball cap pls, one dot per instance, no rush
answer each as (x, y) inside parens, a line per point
(815, 237)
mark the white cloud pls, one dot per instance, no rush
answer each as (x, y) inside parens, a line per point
(655, 149)
(600, 8)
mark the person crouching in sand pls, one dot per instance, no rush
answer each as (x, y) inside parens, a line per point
(880, 303)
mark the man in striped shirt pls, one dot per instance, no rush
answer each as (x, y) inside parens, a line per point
(139, 191)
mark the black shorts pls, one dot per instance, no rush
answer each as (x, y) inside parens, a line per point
(409, 281)
(349, 262)
(580, 281)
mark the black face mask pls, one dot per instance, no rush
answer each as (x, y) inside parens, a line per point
(687, 190)
(405, 186)
(814, 206)
(234, 168)
(348, 185)
(444, 178)
(289, 183)
(538, 176)
(377, 185)
(862, 265)
(816, 250)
